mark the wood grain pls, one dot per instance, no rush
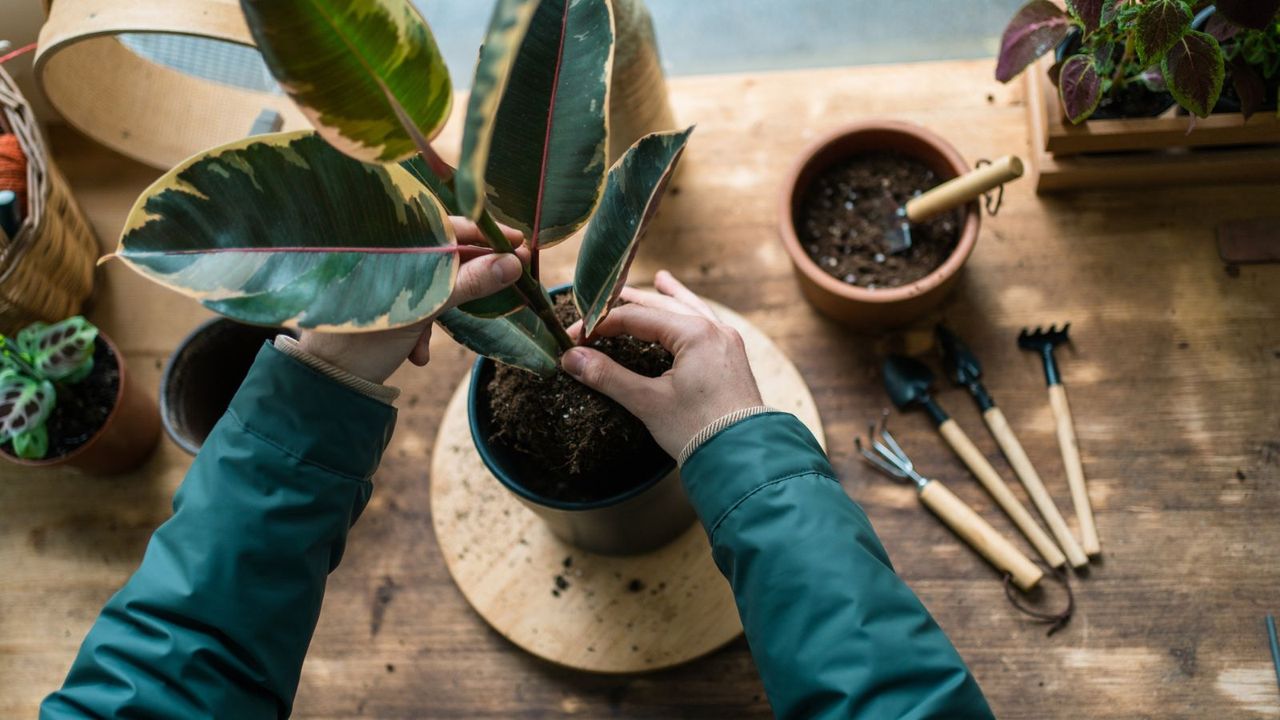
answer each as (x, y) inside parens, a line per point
(1175, 387)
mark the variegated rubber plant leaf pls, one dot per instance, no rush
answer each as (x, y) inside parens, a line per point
(507, 28)
(25, 404)
(636, 184)
(520, 339)
(547, 153)
(367, 73)
(62, 352)
(284, 230)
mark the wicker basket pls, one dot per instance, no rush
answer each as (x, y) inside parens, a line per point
(46, 270)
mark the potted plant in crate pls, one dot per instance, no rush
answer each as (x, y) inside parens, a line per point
(345, 229)
(65, 399)
(1112, 67)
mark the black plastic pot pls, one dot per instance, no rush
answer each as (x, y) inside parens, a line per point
(651, 514)
(203, 375)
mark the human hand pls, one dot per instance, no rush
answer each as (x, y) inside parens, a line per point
(709, 379)
(374, 356)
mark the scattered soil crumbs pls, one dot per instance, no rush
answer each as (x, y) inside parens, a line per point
(845, 213)
(579, 445)
(82, 408)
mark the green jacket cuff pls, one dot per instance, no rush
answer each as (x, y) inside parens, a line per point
(281, 399)
(742, 458)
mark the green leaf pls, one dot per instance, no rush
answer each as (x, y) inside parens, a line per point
(1035, 29)
(1194, 69)
(1090, 13)
(635, 188)
(1080, 87)
(284, 230)
(32, 445)
(25, 403)
(520, 339)
(548, 157)
(507, 29)
(500, 304)
(62, 351)
(358, 69)
(1160, 24)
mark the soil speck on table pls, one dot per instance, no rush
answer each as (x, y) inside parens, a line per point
(635, 586)
(847, 209)
(561, 583)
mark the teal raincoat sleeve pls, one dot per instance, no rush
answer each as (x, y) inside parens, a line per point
(217, 619)
(834, 631)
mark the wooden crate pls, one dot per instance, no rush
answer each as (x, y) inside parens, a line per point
(1164, 150)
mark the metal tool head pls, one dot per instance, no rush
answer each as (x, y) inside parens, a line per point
(1041, 339)
(907, 380)
(1043, 342)
(897, 231)
(959, 362)
(883, 452)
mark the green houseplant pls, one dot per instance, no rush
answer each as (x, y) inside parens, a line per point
(344, 229)
(65, 399)
(1126, 44)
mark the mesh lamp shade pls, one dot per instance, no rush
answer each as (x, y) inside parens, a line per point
(157, 81)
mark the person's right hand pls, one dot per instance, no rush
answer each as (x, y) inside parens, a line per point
(709, 379)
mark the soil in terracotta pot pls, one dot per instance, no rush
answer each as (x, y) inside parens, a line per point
(572, 438)
(846, 210)
(82, 409)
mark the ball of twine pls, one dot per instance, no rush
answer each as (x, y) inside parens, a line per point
(13, 168)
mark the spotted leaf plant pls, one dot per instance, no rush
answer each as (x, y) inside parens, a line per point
(33, 366)
(346, 229)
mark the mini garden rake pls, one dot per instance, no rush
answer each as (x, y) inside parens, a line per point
(882, 451)
(1043, 342)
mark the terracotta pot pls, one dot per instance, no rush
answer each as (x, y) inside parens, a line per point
(648, 516)
(882, 308)
(204, 373)
(124, 441)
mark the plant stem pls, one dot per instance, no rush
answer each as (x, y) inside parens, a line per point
(1118, 79)
(527, 286)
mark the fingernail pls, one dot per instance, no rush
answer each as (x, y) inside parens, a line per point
(574, 362)
(506, 269)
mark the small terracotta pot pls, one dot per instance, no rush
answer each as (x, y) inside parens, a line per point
(124, 441)
(882, 308)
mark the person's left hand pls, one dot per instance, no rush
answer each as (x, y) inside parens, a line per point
(374, 356)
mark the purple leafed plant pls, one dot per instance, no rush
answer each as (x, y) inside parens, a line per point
(1119, 44)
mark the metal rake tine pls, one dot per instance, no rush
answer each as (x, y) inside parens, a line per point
(897, 449)
(883, 465)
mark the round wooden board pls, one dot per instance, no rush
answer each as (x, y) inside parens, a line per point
(590, 612)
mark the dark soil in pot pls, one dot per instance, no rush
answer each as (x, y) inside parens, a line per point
(82, 408)
(847, 208)
(576, 444)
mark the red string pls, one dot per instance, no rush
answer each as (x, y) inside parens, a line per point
(13, 168)
(20, 51)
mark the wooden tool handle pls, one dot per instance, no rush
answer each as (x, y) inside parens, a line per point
(956, 192)
(1035, 487)
(999, 490)
(966, 523)
(1075, 469)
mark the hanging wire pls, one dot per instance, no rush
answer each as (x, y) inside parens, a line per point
(993, 198)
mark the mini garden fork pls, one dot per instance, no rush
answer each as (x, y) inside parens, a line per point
(882, 451)
(1043, 342)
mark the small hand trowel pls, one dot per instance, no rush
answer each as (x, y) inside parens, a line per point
(950, 194)
(965, 370)
(908, 382)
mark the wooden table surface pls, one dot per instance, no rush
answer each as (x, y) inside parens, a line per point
(1174, 379)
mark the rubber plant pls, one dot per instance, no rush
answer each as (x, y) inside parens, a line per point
(1123, 42)
(34, 366)
(345, 229)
